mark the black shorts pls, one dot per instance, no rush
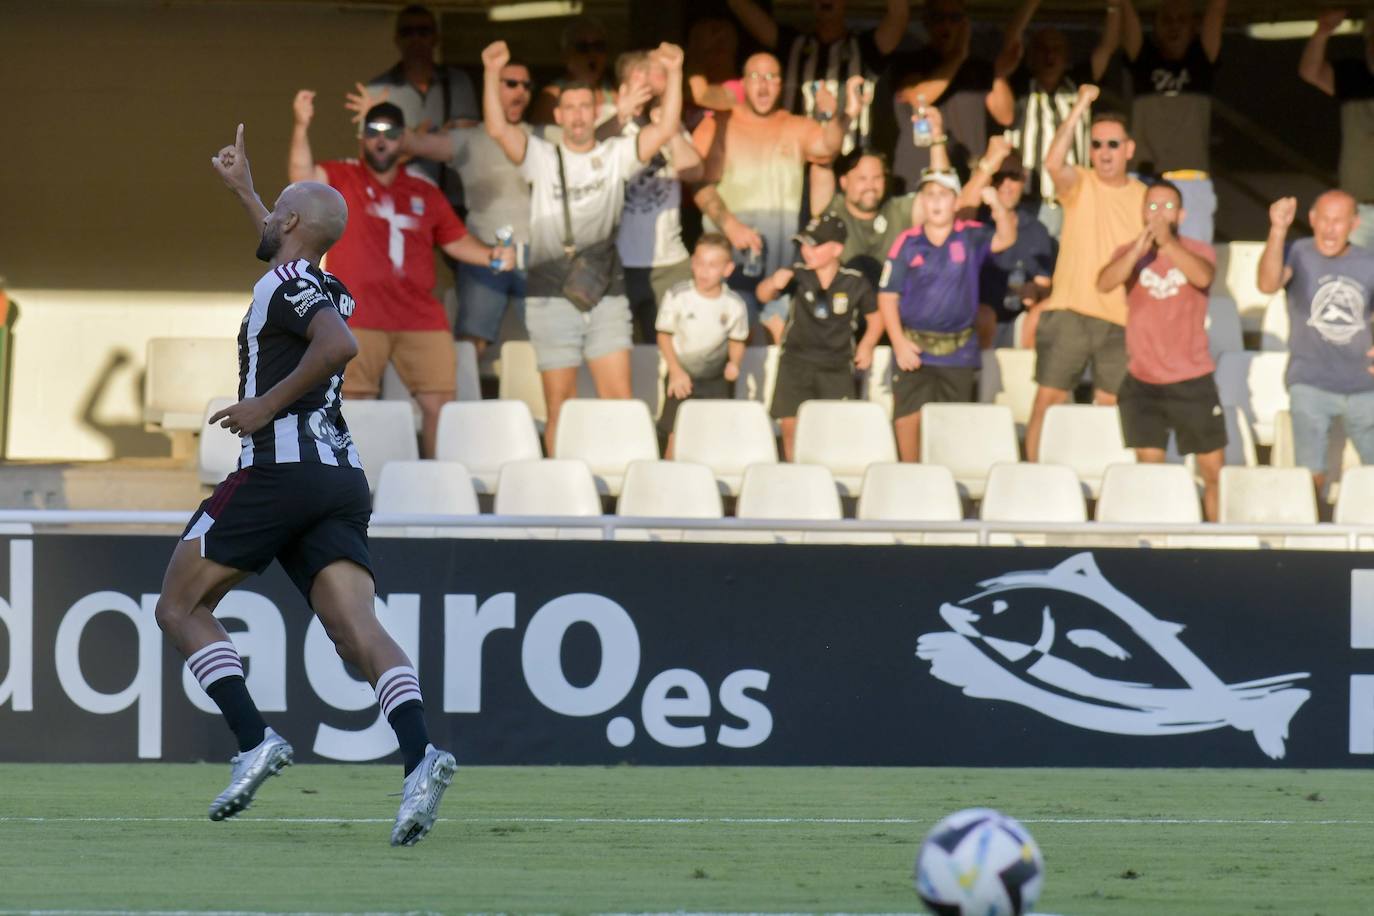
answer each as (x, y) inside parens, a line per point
(716, 388)
(1191, 409)
(799, 380)
(306, 516)
(930, 385)
(1066, 343)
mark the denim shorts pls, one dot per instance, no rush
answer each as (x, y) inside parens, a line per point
(1313, 409)
(564, 337)
(483, 295)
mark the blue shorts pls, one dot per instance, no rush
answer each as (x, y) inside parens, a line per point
(1313, 409)
(483, 295)
(564, 337)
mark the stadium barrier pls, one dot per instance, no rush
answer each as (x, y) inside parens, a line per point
(577, 652)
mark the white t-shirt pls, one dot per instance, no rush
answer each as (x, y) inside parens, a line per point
(651, 226)
(596, 180)
(701, 326)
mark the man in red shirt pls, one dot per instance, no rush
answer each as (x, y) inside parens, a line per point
(1169, 382)
(396, 217)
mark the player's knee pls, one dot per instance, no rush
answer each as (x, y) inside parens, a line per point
(170, 612)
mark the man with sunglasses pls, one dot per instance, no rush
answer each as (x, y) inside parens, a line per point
(586, 60)
(1080, 326)
(1169, 382)
(397, 218)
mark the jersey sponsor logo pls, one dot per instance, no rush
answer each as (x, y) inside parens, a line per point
(346, 305)
(321, 427)
(880, 224)
(1168, 82)
(1338, 307)
(417, 205)
(305, 299)
(957, 253)
(1164, 286)
(840, 303)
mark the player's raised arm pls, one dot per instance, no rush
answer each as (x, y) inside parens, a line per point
(232, 165)
(509, 137)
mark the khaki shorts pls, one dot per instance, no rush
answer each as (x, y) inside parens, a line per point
(426, 361)
(1067, 342)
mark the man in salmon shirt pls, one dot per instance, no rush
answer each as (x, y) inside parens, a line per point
(1169, 382)
(1080, 326)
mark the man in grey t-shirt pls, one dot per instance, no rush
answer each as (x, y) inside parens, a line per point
(1330, 286)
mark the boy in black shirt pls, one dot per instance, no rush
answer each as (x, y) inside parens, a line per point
(819, 355)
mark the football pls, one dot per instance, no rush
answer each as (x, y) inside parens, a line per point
(979, 862)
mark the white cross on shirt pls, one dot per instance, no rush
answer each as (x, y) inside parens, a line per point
(396, 244)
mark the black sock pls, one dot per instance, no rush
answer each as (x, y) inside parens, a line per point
(231, 696)
(408, 720)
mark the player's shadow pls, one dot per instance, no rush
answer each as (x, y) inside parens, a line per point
(127, 440)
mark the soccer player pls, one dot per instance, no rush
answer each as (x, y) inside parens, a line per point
(298, 496)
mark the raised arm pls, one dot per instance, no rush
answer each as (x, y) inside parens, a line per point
(437, 146)
(892, 27)
(1119, 269)
(509, 137)
(1005, 220)
(1108, 41)
(1213, 20)
(756, 22)
(1056, 158)
(1314, 68)
(300, 162)
(981, 176)
(687, 162)
(232, 165)
(1001, 102)
(1132, 37)
(1273, 274)
(1014, 39)
(932, 85)
(823, 142)
(669, 122)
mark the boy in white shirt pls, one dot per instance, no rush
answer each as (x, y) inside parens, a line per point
(702, 328)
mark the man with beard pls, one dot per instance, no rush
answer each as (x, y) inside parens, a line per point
(298, 496)
(386, 258)
(755, 154)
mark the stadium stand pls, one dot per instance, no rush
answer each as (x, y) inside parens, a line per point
(1254, 382)
(1237, 270)
(1023, 492)
(875, 382)
(607, 435)
(425, 488)
(217, 452)
(669, 489)
(726, 436)
(788, 491)
(546, 486)
(1086, 438)
(1274, 325)
(845, 437)
(1224, 331)
(758, 373)
(383, 431)
(1148, 494)
(1008, 377)
(1355, 504)
(183, 373)
(1267, 496)
(968, 439)
(484, 435)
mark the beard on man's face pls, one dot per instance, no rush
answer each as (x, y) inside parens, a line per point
(269, 245)
(379, 163)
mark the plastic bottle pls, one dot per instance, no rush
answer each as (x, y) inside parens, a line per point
(753, 261)
(1015, 280)
(921, 133)
(503, 240)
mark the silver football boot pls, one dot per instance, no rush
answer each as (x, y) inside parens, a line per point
(424, 788)
(249, 770)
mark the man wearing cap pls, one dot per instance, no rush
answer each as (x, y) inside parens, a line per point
(819, 355)
(396, 217)
(928, 298)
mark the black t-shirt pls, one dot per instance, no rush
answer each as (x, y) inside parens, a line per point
(1354, 80)
(1151, 74)
(963, 106)
(821, 321)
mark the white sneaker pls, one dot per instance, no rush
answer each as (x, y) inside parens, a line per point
(424, 788)
(248, 771)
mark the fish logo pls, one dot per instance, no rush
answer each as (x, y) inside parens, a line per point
(1056, 641)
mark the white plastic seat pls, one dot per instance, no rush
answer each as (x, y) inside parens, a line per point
(546, 486)
(1274, 324)
(1240, 441)
(758, 374)
(875, 382)
(909, 493)
(669, 489)
(467, 384)
(726, 436)
(217, 452)
(1254, 382)
(968, 439)
(1237, 278)
(519, 378)
(1148, 494)
(1023, 492)
(183, 374)
(788, 491)
(1085, 437)
(647, 371)
(425, 488)
(1267, 496)
(1224, 333)
(483, 435)
(1008, 377)
(382, 431)
(845, 437)
(1355, 504)
(607, 435)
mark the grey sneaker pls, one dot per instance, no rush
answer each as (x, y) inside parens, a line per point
(424, 788)
(249, 771)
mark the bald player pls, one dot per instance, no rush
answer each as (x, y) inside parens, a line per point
(298, 496)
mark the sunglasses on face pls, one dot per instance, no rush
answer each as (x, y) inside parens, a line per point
(518, 84)
(1109, 144)
(589, 47)
(758, 77)
(415, 31)
(384, 129)
(1158, 205)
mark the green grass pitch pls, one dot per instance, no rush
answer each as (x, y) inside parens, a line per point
(82, 839)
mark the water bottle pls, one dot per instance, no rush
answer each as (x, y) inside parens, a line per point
(921, 134)
(753, 261)
(1011, 302)
(504, 235)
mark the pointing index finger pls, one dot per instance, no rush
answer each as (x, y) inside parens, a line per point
(238, 139)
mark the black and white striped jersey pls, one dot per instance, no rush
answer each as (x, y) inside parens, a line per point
(271, 343)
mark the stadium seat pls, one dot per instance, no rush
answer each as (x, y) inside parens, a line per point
(1274, 325)
(758, 373)
(182, 375)
(647, 372)
(1224, 334)
(845, 437)
(669, 489)
(425, 488)
(875, 382)
(726, 436)
(483, 435)
(546, 486)
(217, 453)
(1022, 492)
(788, 491)
(1355, 504)
(607, 435)
(467, 385)
(1085, 437)
(1008, 377)
(1267, 496)
(519, 379)
(1237, 274)
(1254, 382)
(382, 431)
(1148, 494)
(968, 439)
(909, 493)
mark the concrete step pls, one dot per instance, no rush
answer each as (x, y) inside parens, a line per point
(153, 484)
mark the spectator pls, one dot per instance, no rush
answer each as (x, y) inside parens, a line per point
(572, 225)
(431, 96)
(586, 62)
(1330, 286)
(396, 217)
(1045, 90)
(1079, 326)
(819, 356)
(1169, 382)
(929, 298)
(754, 156)
(650, 237)
(1172, 113)
(1351, 82)
(702, 329)
(966, 91)
(498, 199)
(712, 68)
